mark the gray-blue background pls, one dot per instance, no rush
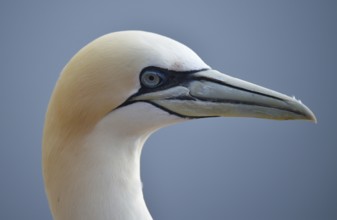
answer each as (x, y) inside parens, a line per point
(222, 168)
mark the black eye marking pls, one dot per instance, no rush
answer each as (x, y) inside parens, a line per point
(154, 79)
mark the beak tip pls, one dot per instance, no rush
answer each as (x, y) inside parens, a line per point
(308, 114)
(312, 117)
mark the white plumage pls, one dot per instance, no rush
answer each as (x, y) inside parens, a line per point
(111, 96)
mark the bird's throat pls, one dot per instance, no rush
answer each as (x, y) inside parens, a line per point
(98, 179)
(96, 175)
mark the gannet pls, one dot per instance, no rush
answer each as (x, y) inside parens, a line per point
(111, 96)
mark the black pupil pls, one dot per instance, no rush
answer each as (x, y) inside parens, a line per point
(151, 77)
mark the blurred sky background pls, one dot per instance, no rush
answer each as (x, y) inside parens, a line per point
(220, 168)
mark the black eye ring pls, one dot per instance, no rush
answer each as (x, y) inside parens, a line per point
(151, 79)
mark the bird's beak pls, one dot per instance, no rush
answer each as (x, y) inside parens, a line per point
(210, 93)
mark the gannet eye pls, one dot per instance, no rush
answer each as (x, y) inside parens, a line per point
(151, 79)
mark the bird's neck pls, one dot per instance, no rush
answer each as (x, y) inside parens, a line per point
(96, 175)
(98, 179)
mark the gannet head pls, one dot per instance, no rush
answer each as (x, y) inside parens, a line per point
(159, 77)
(111, 95)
